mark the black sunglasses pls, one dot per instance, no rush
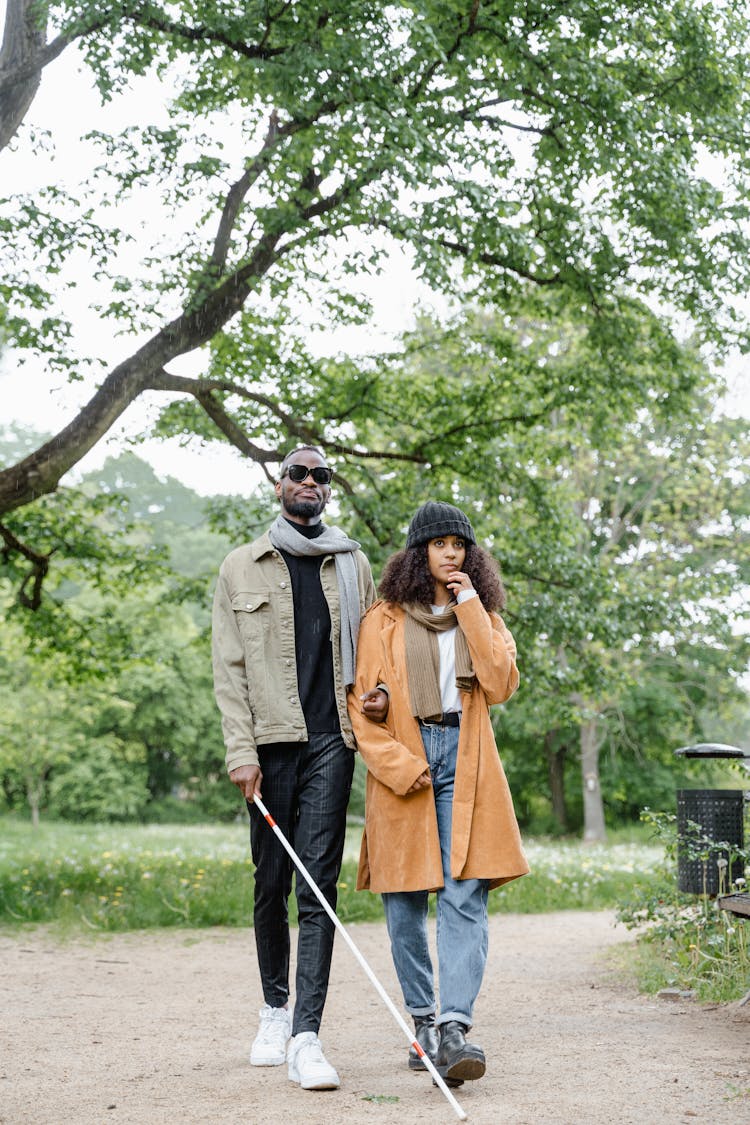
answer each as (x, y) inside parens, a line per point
(321, 474)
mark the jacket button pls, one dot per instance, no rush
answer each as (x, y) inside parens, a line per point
(248, 606)
(283, 585)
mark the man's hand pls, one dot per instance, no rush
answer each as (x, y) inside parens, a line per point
(424, 781)
(248, 780)
(375, 704)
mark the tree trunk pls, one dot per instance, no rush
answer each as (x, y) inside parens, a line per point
(594, 830)
(556, 773)
(33, 797)
(40, 472)
(25, 34)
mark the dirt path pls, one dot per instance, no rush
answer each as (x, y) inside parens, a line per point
(155, 1028)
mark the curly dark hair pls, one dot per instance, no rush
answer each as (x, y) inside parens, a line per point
(406, 577)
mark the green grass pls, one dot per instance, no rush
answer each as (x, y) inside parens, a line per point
(706, 953)
(568, 875)
(126, 877)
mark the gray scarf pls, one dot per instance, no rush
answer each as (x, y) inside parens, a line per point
(332, 541)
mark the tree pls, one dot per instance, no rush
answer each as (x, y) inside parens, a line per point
(37, 732)
(107, 706)
(619, 516)
(501, 145)
(652, 535)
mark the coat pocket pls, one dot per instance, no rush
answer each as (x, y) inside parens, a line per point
(250, 601)
(252, 610)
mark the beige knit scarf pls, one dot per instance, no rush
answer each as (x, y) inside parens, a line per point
(423, 658)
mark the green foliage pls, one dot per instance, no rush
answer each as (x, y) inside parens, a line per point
(37, 731)
(286, 151)
(686, 941)
(107, 702)
(101, 786)
(616, 508)
(379, 99)
(91, 549)
(623, 570)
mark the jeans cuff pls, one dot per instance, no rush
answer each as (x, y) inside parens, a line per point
(430, 1011)
(461, 1017)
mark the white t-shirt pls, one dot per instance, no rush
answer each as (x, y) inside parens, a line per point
(449, 693)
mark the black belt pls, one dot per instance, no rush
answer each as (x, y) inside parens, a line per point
(447, 719)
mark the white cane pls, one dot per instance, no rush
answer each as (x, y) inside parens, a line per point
(339, 926)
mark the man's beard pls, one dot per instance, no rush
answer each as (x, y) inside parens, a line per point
(305, 509)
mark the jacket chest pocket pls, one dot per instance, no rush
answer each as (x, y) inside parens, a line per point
(252, 610)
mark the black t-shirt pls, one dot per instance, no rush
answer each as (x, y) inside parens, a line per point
(312, 638)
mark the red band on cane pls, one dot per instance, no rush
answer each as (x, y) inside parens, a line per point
(270, 819)
(417, 1048)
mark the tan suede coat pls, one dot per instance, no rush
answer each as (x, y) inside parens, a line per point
(400, 846)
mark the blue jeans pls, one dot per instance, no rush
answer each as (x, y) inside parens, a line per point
(306, 790)
(462, 930)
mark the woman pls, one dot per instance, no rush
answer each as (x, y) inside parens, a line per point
(439, 815)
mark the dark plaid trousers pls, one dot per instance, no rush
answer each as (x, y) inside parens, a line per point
(305, 788)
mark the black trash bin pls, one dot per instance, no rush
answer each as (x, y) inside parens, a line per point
(705, 819)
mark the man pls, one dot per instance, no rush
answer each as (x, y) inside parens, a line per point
(286, 617)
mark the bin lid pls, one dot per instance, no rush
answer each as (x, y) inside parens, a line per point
(711, 750)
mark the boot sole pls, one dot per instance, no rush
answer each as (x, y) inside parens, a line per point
(466, 1070)
(463, 1070)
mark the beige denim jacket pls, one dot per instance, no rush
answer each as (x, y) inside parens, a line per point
(255, 669)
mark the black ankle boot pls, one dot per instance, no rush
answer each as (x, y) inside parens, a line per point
(428, 1039)
(458, 1061)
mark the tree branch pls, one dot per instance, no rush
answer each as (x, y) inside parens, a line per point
(140, 16)
(25, 53)
(274, 135)
(237, 193)
(465, 251)
(204, 391)
(236, 436)
(40, 472)
(38, 572)
(434, 66)
(485, 423)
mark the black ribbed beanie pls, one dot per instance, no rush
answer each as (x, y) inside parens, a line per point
(434, 519)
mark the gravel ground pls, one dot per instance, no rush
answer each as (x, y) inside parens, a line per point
(155, 1028)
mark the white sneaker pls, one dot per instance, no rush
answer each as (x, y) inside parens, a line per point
(308, 1065)
(269, 1045)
